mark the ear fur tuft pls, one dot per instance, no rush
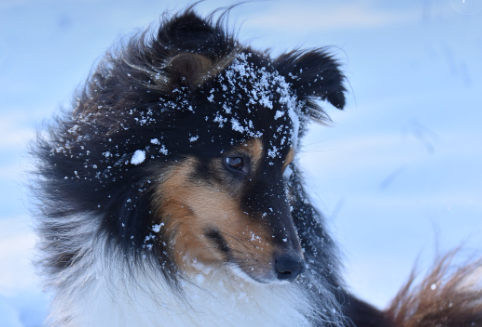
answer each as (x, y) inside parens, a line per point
(314, 74)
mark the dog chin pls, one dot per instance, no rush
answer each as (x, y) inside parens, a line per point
(267, 279)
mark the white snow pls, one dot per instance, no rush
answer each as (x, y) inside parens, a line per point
(156, 228)
(163, 150)
(199, 278)
(236, 125)
(273, 152)
(226, 108)
(138, 157)
(220, 120)
(193, 138)
(279, 114)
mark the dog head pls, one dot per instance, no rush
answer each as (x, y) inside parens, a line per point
(227, 200)
(194, 137)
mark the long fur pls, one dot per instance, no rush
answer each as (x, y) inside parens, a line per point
(448, 296)
(149, 131)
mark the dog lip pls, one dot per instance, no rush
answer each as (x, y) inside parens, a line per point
(269, 278)
(285, 268)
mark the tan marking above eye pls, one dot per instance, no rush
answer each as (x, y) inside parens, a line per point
(252, 149)
(289, 158)
(255, 148)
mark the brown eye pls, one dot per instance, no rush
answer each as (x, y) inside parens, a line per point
(236, 163)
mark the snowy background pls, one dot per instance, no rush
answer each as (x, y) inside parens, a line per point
(398, 174)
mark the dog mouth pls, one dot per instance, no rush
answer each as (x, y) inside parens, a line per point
(284, 270)
(281, 266)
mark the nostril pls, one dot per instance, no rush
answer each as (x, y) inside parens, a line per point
(288, 267)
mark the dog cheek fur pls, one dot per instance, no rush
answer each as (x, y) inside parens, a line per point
(189, 209)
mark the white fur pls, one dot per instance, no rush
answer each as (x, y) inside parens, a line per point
(106, 295)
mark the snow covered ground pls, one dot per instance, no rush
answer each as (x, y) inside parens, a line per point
(398, 174)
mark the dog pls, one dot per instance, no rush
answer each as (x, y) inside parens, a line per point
(170, 194)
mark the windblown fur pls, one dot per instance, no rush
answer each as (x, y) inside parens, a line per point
(170, 193)
(448, 296)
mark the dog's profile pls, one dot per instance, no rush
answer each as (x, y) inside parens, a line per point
(170, 194)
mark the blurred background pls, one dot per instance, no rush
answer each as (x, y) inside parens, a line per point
(397, 174)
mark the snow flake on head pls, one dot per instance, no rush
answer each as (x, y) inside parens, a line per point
(237, 126)
(193, 138)
(279, 114)
(138, 157)
(163, 150)
(273, 152)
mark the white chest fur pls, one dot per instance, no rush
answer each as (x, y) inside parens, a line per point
(213, 299)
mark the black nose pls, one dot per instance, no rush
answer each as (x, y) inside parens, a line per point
(288, 267)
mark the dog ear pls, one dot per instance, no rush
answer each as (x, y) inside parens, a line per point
(194, 48)
(187, 70)
(314, 75)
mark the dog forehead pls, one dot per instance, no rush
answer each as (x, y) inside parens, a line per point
(255, 101)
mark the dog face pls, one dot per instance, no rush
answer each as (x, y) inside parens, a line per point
(232, 209)
(228, 202)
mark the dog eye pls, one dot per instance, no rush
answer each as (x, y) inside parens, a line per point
(236, 163)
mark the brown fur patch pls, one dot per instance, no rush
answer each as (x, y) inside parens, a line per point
(191, 207)
(193, 70)
(444, 298)
(289, 158)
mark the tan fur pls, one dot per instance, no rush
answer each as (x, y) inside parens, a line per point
(289, 158)
(253, 149)
(198, 68)
(445, 298)
(188, 207)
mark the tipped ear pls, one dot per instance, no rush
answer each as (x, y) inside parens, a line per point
(313, 74)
